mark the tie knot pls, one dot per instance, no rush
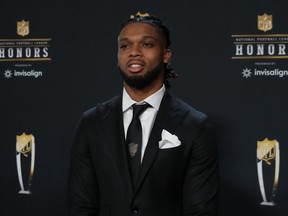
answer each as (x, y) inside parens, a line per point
(139, 108)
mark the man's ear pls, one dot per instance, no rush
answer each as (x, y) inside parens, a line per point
(167, 56)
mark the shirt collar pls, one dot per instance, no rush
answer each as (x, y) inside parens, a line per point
(154, 100)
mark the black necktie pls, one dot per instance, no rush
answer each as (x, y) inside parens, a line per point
(134, 141)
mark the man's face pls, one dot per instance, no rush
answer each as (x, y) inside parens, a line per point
(141, 55)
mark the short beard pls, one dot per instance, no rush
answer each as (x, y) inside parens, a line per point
(141, 81)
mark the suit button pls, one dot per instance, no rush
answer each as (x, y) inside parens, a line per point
(135, 210)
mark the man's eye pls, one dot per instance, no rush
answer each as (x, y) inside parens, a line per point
(124, 46)
(147, 44)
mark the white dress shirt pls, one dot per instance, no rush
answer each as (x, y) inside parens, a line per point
(147, 118)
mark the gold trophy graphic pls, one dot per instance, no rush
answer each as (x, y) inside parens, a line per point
(25, 146)
(268, 151)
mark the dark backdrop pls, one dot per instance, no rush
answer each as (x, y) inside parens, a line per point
(83, 72)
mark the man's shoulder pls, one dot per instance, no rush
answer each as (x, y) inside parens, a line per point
(180, 104)
(188, 110)
(103, 107)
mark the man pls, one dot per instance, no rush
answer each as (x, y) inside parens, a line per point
(167, 166)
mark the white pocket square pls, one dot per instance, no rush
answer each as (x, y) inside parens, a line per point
(168, 140)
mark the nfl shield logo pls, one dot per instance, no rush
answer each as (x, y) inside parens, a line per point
(265, 22)
(266, 150)
(24, 144)
(23, 28)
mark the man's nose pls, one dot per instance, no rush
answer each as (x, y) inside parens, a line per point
(135, 51)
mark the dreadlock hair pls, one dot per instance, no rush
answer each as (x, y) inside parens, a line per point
(163, 31)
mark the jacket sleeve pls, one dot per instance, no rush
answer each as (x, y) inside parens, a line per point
(82, 180)
(201, 180)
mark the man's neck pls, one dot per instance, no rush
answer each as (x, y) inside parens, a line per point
(140, 95)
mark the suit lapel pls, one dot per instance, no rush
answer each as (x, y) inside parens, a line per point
(168, 117)
(112, 122)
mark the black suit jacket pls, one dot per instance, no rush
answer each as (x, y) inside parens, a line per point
(173, 182)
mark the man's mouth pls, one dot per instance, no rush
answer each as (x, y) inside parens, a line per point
(136, 67)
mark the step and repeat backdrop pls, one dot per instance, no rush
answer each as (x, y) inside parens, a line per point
(58, 59)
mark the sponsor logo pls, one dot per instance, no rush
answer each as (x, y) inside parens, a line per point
(263, 52)
(18, 55)
(248, 72)
(8, 74)
(22, 73)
